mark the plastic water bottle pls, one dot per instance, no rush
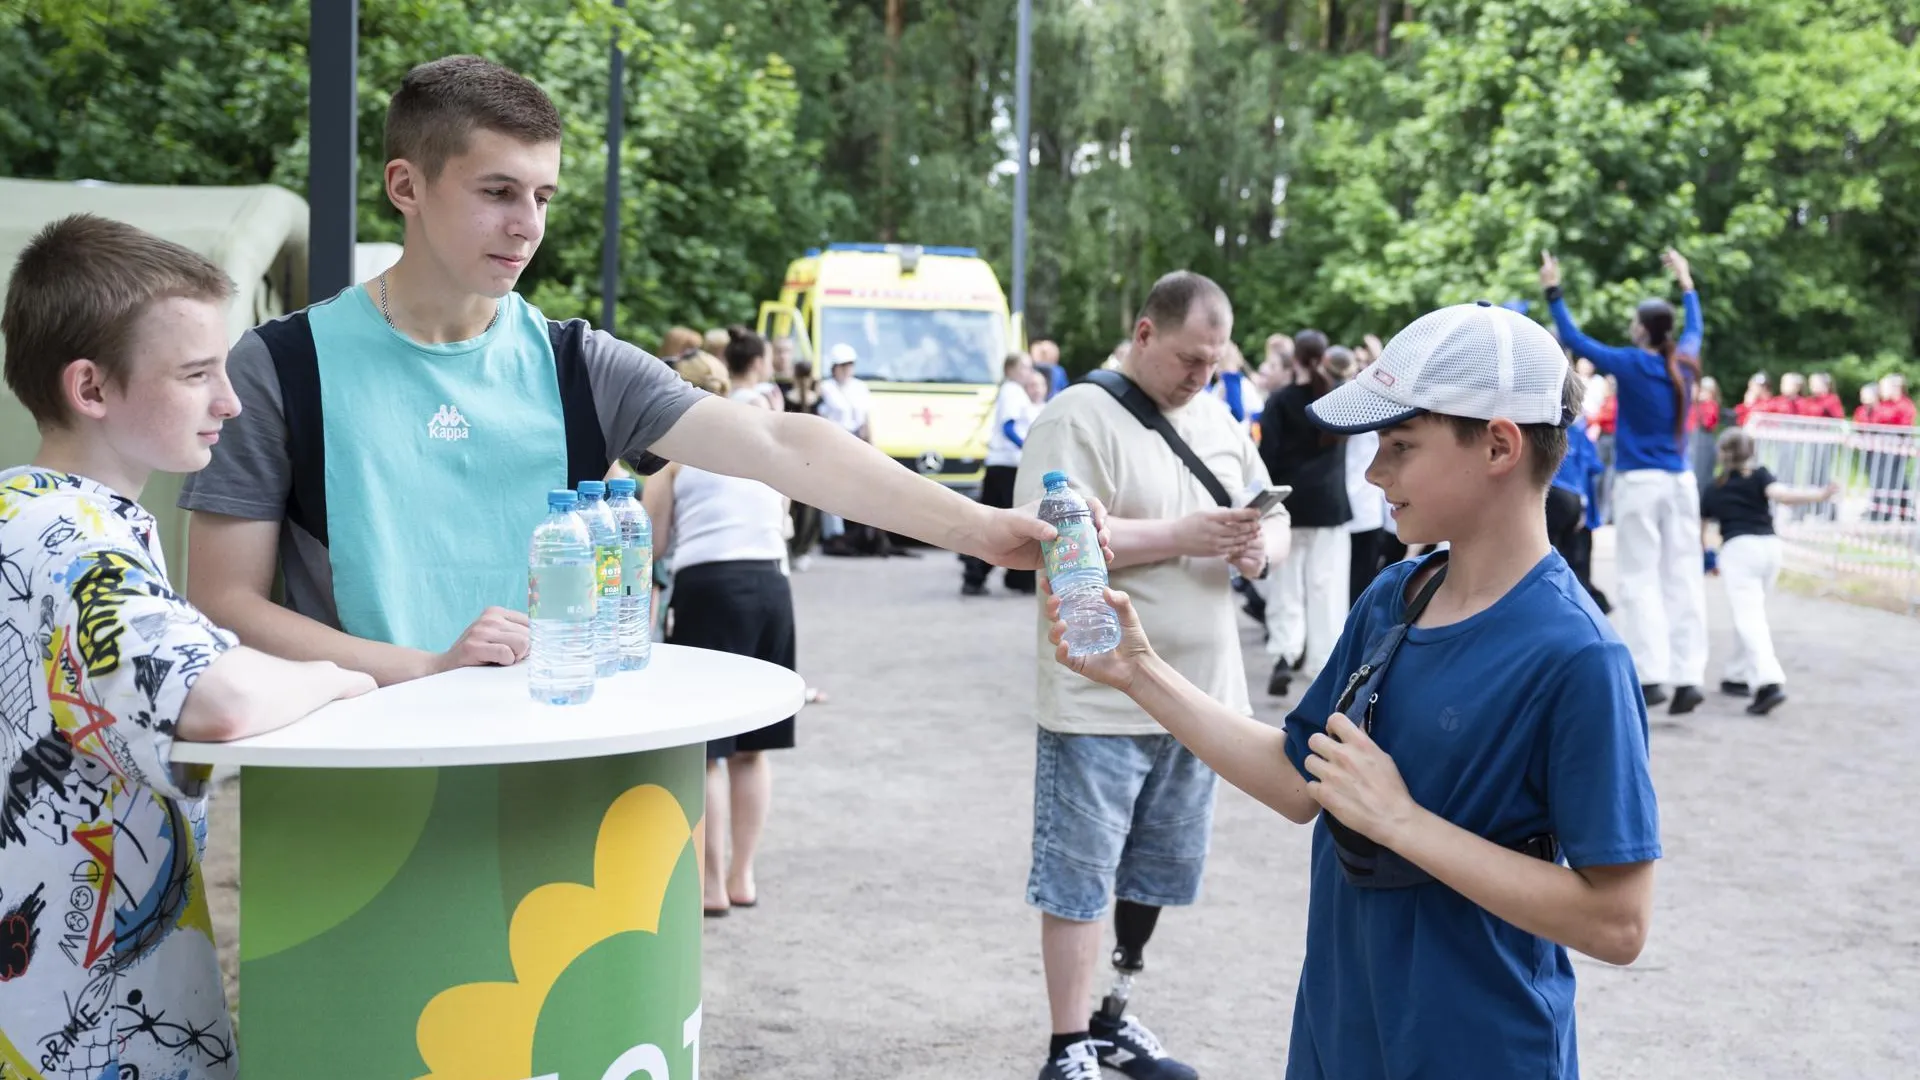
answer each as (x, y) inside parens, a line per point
(606, 563)
(561, 599)
(636, 573)
(1078, 571)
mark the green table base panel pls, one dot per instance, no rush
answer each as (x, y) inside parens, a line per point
(475, 923)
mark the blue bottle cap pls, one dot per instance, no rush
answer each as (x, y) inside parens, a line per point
(1055, 479)
(622, 485)
(561, 499)
(592, 488)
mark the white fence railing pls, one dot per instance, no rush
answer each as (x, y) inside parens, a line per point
(1871, 532)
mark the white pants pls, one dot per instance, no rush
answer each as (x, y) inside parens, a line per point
(1307, 598)
(1750, 565)
(1663, 603)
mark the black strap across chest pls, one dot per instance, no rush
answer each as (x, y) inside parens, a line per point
(296, 362)
(1136, 401)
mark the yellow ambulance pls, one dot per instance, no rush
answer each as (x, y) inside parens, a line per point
(931, 329)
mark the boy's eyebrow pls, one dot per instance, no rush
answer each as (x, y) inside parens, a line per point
(200, 365)
(503, 178)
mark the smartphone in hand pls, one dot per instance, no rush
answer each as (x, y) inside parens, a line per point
(1269, 500)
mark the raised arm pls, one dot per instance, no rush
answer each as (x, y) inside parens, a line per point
(1607, 359)
(1695, 332)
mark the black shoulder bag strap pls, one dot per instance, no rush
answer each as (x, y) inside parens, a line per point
(1363, 862)
(1136, 401)
(296, 363)
(586, 447)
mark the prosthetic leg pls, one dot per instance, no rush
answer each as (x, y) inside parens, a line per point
(1132, 925)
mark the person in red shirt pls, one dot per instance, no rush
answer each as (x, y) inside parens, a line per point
(1869, 404)
(1895, 408)
(1793, 388)
(1820, 399)
(1706, 404)
(1608, 416)
(1758, 394)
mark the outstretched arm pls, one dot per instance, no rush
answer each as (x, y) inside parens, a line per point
(1607, 359)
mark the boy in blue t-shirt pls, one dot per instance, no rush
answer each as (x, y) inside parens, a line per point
(1476, 749)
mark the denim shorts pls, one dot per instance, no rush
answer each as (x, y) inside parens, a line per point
(1129, 815)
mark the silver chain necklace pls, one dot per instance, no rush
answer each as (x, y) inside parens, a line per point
(388, 315)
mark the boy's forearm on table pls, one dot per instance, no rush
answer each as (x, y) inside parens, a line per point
(278, 631)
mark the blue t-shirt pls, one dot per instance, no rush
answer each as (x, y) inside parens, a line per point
(1523, 719)
(1644, 436)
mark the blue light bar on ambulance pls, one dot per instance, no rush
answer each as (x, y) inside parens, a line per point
(894, 249)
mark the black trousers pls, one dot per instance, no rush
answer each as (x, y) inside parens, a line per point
(996, 490)
(1567, 531)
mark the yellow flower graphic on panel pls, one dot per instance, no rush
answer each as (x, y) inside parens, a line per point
(485, 1031)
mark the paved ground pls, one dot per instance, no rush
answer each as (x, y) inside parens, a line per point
(892, 940)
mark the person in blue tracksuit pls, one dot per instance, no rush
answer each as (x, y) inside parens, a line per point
(1656, 501)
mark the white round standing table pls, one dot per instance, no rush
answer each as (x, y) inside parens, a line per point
(446, 879)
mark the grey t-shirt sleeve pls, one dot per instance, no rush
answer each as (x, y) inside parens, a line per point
(251, 472)
(637, 396)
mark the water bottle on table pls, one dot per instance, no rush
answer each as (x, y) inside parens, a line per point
(562, 595)
(606, 559)
(1077, 570)
(636, 573)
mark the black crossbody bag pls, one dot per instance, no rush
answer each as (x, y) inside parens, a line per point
(1364, 862)
(1136, 401)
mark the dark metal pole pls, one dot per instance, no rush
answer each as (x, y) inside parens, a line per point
(1022, 92)
(610, 240)
(333, 50)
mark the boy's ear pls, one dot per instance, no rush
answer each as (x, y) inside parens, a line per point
(83, 388)
(405, 184)
(1504, 445)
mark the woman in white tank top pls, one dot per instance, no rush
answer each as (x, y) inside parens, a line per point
(726, 540)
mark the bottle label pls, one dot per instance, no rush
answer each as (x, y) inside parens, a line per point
(606, 561)
(563, 592)
(1077, 548)
(636, 570)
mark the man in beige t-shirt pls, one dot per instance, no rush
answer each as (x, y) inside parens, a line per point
(1120, 808)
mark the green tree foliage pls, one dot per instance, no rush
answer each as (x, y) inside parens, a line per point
(1344, 164)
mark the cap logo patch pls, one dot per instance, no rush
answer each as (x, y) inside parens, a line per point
(1381, 377)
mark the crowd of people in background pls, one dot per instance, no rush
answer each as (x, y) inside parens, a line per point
(1653, 451)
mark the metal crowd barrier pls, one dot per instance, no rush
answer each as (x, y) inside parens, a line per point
(1869, 533)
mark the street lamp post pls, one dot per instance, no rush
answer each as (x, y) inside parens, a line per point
(610, 228)
(1022, 83)
(333, 128)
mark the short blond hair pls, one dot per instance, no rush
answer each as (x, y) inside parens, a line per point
(705, 371)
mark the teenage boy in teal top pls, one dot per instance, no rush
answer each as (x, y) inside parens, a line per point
(1482, 789)
(397, 440)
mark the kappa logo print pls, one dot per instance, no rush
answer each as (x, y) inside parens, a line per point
(448, 424)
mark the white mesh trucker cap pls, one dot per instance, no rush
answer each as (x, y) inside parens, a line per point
(1472, 360)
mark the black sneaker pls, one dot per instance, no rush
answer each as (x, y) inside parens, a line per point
(1131, 1048)
(1653, 694)
(1281, 680)
(1766, 699)
(1735, 688)
(1686, 699)
(972, 588)
(1079, 1061)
